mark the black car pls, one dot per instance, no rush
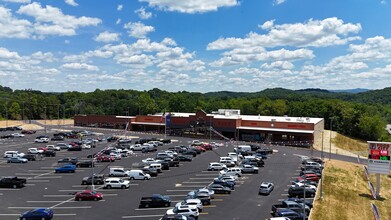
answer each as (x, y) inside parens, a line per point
(7, 136)
(150, 171)
(219, 189)
(49, 153)
(57, 138)
(30, 157)
(72, 160)
(86, 163)
(75, 148)
(255, 162)
(184, 158)
(299, 192)
(190, 152)
(229, 184)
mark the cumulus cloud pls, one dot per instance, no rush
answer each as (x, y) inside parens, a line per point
(315, 33)
(6, 54)
(138, 29)
(52, 21)
(118, 21)
(11, 27)
(71, 2)
(142, 14)
(107, 37)
(278, 65)
(119, 7)
(79, 66)
(194, 6)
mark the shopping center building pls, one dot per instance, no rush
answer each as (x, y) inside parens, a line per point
(228, 123)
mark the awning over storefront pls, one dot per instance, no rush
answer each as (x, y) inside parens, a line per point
(147, 123)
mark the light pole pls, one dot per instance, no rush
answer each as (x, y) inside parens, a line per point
(45, 119)
(305, 181)
(6, 113)
(322, 146)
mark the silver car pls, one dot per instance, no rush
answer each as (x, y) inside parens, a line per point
(16, 160)
(265, 188)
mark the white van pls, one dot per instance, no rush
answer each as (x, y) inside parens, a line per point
(138, 175)
(242, 148)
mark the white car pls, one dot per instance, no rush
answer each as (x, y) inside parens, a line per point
(52, 147)
(137, 147)
(116, 155)
(34, 151)
(216, 166)
(209, 192)
(233, 171)
(17, 135)
(12, 153)
(186, 210)
(149, 160)
(63, 145)
(227, 178)
(86, 146)
(41, 140)
(302, 184)
(126, 153)
(171, 153)
(196, 202)
(116, 183)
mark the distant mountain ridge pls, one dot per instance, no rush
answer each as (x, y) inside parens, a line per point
(357, 90)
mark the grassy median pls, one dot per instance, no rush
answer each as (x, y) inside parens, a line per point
(346, 194)
(352, 145)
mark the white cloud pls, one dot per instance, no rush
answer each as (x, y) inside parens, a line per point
(194, 6)
(18, 1)
(118, 21)
(107, 37)
(138, 29)
(79, 66)
(47, 57)
(71, 2)
(315, 33)
(11, 27)
(267, 25)
(142, 14)
(119, 7)
(278, 65)
(278, 2)
(6, 54)
(51, 21)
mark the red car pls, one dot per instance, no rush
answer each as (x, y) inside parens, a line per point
(105, 158)
(43, 149)
(207, 146)
(88, 195)
(200, 148)
(309, 177)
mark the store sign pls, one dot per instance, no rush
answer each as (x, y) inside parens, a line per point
(379, 157)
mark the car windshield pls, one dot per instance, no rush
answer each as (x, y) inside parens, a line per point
(121, 180)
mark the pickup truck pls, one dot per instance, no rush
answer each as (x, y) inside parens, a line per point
(294, 206)
(12, 182)
(156, 200)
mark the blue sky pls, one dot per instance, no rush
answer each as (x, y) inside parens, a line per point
(194, 45)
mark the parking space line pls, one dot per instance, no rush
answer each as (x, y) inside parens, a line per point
(7, 189)
(29, 184)
(175, 195)
(207, 174)
(201, 178)
(46, 177)
(192, 186)
(284, 194)
(198, 182)
(47, 170)
(58, 201)
(149, 209)
(209, 206)
(142, 216)
(177, 190)
(73, 207)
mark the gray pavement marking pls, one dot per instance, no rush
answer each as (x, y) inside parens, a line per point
(142, 216)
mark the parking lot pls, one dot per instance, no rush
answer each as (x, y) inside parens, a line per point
(56, 190)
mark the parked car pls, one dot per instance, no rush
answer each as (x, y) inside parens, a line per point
(12, 153)
(216, 166)
(57, 138)
(17, 160)
(246, 168)
(186, 210)
(28, 132)
(87, 163)
(71, 160)
(52, 147)
(30, 157)
(68, 168)
(155, 201)
(184, 158)
(75, 148)
(98, 179)
(41, 140)
(219, 189)
(88, 195)
(231, 171)
(12, 182)
(17, 135)
(310, 177)
(196, 202)
(49, 153)
(299, 192)
(229, 184)
(105, 158)
(265, 188)
(38, 213)
(34, 150)
(292, 215)
(115, 182)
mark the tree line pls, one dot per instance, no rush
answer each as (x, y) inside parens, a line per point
(363, 115)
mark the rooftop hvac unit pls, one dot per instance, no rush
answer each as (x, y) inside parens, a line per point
(288, 119)
(273, 119)
(299, 119)
(308, 119)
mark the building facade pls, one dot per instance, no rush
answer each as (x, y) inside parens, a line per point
(295, 131)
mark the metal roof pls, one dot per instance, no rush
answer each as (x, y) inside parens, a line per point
(277, 129)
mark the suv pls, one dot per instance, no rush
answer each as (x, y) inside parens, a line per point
(116, 183)
(228, 161)
(299, 192)
(186, 210)
(231, 171)
(98, 180)
(216, 166)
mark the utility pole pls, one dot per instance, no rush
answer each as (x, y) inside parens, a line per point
(6, 113)
(45, 120)
(322, 146)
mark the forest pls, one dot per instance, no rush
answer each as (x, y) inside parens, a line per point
(359, 115)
